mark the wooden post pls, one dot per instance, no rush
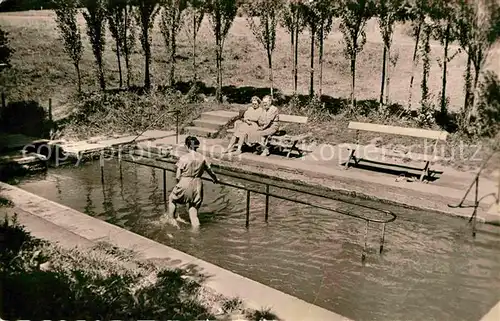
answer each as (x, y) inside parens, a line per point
(267, 202)
(165, 186)
(363, 255)
(382, 238)
(247, 223)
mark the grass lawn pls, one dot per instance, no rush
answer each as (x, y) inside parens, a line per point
(41, 70)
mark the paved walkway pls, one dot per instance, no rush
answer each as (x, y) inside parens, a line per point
(434, 196)
(58, 223)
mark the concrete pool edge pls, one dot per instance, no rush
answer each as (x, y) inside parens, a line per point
(254, 295)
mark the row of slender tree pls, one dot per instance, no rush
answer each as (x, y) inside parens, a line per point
(474, 25)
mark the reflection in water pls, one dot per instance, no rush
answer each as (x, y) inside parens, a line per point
(431, 268)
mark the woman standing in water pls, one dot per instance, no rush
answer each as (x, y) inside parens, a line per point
(189, 188)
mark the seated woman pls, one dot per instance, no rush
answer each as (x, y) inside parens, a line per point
(268, 124)
(247, 125)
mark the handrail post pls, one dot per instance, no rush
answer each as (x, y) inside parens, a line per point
(120, 164)
(267, 202)
(165, 186)
(247, 223)
(476, 204)
(382, 238)
(363, 255)
(177, 127)
(101, 162)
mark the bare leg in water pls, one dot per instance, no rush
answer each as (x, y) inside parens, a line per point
(193, 217)
(170, 217)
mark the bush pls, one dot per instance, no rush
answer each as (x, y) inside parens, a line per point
(92, 284)
(104, 113)
(25, 117)
(488, 122)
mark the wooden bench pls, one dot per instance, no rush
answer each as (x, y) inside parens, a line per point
(283, 141)
(358, 152)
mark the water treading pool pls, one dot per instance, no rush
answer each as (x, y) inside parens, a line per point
(431, 267)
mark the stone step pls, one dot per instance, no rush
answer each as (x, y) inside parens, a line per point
(219, 115)
(209, 123)
(200, 131)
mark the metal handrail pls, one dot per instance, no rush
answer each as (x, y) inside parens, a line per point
(152, 163)
(477, 200)
(389, 220)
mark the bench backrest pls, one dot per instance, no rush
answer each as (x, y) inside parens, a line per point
(292, 119)
(404, 131)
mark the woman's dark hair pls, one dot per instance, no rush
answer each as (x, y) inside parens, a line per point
(255, 98)
(191, 142)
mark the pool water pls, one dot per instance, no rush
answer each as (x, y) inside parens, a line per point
(431, 267)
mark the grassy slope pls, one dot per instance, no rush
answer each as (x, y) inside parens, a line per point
(42, 70)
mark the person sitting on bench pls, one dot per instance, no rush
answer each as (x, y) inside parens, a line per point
(248, 124)
(268, 124)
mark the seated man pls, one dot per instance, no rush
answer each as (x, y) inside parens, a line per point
(268, 124)
(248, 124)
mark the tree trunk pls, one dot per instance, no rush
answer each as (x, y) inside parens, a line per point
(218, 92)
(353, 84)
(426, 66)
(296, 56)
(100, 68)
(477, 73)
(172, 56)
(321, 49)
(147, 55)
(388, 76)
(126, 47)
(415, 62)
(445, 69)
(468, 84)
(311, 81)
(118, 58)
(194, 50)
(382, 83)
(292, 56)
(77, 67)
(270, 66)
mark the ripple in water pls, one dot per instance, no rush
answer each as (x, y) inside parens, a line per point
(431, 268)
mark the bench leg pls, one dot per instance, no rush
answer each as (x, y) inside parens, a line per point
(294, 147)
(351, 156)
(425, 171)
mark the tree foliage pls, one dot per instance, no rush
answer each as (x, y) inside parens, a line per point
(146, 12)
(95, 17)
(115, 11)
(262, 18)
(222, 14)
(388, 13)
(5, 50)
(66, 15)
(478, 29)
(195, 13)
(354, 14)
(171, 21)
